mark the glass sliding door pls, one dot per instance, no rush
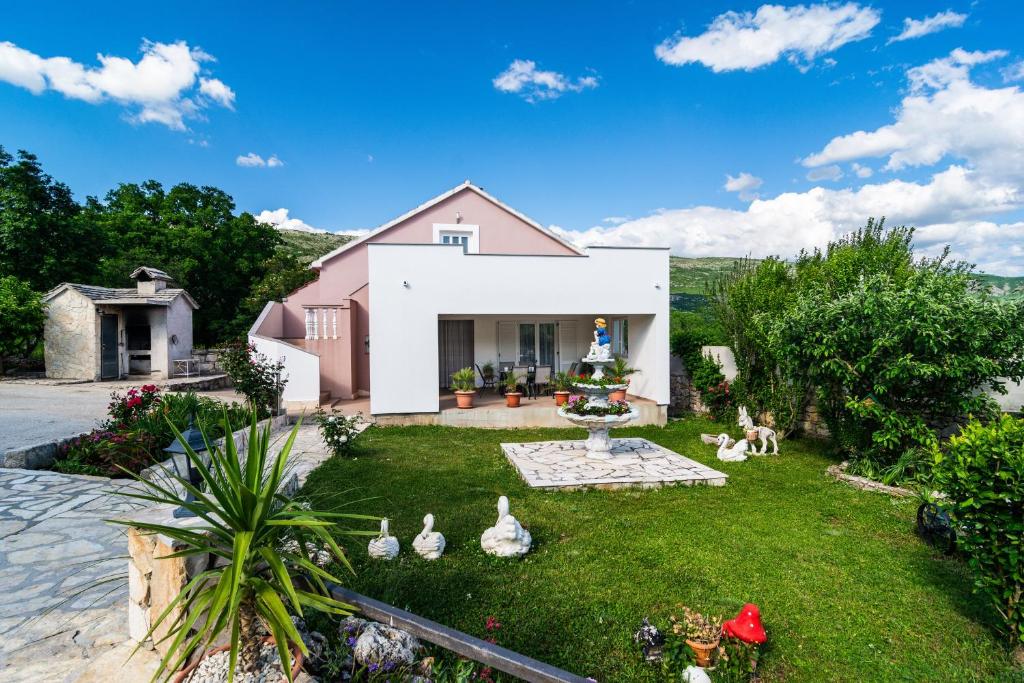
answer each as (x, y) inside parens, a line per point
(527, 343)
(546, 344)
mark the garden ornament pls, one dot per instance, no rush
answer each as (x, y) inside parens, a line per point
(601, 347)
(695, 674)
(429, 544)
(746, 626)
(712, 440)
(765, 434)
(650, 639)
(507, 538)
(737, 453)
(385, 546)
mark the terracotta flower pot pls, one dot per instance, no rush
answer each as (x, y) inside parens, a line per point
(512, 399)
(751, 435)
(561, 397)
(296, 655)
(703, 651)
(617, 395)
(464, 399)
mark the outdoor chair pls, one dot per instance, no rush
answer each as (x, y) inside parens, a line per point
(542, 380)
(531, 381)
(488, 382)
(521, 372)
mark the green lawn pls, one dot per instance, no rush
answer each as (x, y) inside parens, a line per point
(847, 591)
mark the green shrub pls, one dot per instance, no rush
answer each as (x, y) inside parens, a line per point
(21, 310)
(254, 375)
(338, 430)
(982, 471)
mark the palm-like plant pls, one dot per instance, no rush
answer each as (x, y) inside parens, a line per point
(620, 369)
(258, 538)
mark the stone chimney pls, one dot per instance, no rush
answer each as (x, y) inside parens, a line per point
(150, 280)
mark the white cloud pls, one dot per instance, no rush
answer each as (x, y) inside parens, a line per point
(217, 91)
(945, 115)
(159, 88)
(789, 222)
(280, 220)
(523, 78)
(915, 28)
(253, 160)
(861, 171)
(746, 40)
(825, 173)
(1014, 72)
(744, 185)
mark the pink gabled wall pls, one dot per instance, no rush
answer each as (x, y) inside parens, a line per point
(345, 279)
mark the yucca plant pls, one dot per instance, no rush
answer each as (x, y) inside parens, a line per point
(261, 541)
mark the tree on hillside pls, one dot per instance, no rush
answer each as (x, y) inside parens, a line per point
(21, 311)
(43, 238)
(192, 233)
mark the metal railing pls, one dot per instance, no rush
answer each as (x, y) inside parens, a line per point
(481, 651)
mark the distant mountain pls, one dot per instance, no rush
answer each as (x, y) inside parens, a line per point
(309, 246)
(998, 285)
(688, 278)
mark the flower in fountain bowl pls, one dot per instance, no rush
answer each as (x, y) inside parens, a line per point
(578, 405)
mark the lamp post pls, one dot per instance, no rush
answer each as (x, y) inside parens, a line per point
(194, 438)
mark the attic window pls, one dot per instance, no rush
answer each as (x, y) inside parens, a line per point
(468, 236)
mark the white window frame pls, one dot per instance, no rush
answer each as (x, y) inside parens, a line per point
(620, 337)
(471, 231)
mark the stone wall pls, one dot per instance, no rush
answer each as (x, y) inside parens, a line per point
(207, 361)
(70, 337)
(684, 397)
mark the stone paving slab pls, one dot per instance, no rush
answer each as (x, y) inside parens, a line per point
(635, 462)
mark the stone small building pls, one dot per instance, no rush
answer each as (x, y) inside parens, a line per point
(100, 333)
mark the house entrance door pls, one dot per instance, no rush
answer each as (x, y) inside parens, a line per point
(454, 347)
(108, 347)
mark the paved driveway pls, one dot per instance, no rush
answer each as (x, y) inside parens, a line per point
(32, 414)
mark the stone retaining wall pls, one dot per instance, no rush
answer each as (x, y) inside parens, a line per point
(207, 361)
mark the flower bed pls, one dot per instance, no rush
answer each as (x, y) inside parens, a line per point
(138, 428)
(578, 405)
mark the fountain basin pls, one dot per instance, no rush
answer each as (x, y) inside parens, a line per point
(599, 442)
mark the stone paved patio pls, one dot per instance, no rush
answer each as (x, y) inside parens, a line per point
(635, 463)
(53, 543)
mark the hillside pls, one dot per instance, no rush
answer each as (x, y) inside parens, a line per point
(1009, 287)
(309, 246)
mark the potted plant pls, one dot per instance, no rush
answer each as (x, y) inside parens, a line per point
(620, 372)
(263, 565)
(702, 633)
(487, 370)
(562, 383)
(512, 394)
(464, 385)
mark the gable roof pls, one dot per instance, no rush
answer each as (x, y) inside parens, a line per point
(432, 202)
(122, 295)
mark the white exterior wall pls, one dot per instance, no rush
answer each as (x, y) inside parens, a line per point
(412, 285)
(179, 324)
(301, 369)
(71, 337)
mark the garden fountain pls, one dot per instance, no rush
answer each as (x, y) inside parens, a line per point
(593, 411)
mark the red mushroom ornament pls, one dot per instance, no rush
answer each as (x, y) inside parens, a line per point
(746, 626)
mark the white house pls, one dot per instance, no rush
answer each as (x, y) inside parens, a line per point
(459, 281)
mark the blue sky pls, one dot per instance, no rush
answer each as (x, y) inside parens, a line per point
(820, 114)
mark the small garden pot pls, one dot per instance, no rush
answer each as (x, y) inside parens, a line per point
(561, 397)
(464, 399)
(617, 395)
(703, 651)
(751, 435)
(512, 399)
(296, 655)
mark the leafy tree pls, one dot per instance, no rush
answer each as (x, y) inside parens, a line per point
(283, 274)
(43, 239)
(21, 310)
(192, 233)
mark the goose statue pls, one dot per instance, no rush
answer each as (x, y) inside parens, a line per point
(429, 543)
(385, 546)
(507, 538)
(737, 453)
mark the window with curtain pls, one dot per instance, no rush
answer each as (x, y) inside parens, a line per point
(620, 336)
(546, 343)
